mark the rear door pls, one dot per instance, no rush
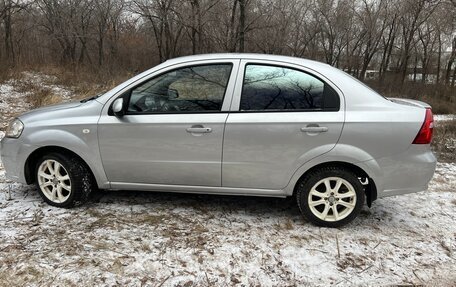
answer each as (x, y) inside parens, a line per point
(281, 117)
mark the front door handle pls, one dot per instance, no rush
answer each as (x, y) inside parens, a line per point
(314, 129)
(199, 129)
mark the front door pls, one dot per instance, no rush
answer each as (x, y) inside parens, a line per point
(172, 131)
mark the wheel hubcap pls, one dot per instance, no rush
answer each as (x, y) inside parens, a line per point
(332, 199)
(54, 181)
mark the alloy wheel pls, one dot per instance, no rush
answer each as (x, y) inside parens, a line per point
(332, 199)
(54, 181)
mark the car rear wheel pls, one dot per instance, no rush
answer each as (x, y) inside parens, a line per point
(330, 196)
(63, 180)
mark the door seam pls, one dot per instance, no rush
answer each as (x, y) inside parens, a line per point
(226, 120)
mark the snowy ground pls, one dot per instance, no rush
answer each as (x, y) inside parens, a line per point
(158, 239)
(134, 238)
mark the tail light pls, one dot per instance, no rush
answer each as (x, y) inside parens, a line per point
(424, 136)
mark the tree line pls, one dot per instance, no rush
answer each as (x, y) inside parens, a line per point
(410, 40)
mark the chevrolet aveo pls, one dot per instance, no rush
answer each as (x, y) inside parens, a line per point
(238, 124)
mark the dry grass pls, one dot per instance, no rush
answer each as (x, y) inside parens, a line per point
(37, 94)
(439, 96)
(444, 142)
(86, 82)
(42, 97)
(81, 82)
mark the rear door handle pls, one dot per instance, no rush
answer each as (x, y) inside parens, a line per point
(199, 130)
(314, 129)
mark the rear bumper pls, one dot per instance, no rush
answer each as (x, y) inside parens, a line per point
(407, 172)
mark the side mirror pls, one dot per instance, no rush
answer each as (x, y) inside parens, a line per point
(173, 94)
(117, 107)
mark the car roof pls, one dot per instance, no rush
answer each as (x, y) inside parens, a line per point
(248, 56)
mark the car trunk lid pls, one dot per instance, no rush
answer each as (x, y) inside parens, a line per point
(410, 102)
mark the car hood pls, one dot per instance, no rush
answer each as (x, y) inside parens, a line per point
(60, 111)
(53, 108)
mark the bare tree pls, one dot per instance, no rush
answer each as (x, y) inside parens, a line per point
(409, 37)
(450, 63)
(162, 16)
(428, 41)
(68, 22)
(388, 39)
(333, 23)
(374, 27)
(106, 16)
(414, 14)
(8, 8)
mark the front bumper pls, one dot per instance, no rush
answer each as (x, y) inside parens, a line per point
(13, 154)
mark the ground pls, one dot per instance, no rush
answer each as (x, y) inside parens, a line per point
(159, 239)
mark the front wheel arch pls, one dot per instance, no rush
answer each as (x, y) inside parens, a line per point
(370, 189)
(30, 163)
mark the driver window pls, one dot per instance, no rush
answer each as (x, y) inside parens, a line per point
(189, 89)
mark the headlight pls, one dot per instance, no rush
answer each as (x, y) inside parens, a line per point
(15, 129)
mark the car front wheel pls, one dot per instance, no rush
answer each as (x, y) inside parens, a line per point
(330, 196)
(63, 180)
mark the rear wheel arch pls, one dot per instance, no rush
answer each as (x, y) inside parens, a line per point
(370, 188)
(30, 164)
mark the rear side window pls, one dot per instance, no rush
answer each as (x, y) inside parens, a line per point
(274, 88)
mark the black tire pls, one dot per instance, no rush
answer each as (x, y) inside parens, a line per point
(305, 185)
(82, 181)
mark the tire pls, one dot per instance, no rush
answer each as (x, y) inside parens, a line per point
(333, 207)
(70, 186)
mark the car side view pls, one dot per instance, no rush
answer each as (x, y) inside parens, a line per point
(236, 124)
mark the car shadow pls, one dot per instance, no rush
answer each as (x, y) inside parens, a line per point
(252, 205)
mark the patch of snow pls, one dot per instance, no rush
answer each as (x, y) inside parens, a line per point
(444, 177)
(440, 118)
(12, 102)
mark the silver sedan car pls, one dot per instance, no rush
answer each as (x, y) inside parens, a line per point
(237, 124)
